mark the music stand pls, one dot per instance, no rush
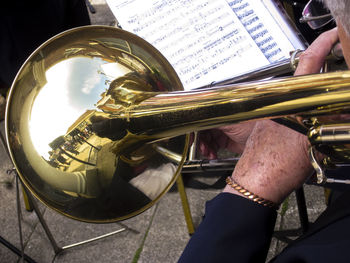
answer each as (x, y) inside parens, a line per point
(57, 249)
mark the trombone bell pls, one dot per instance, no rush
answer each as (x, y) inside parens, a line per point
(56, 112)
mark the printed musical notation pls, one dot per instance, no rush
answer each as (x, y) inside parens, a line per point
(257, 29)
(204, 40)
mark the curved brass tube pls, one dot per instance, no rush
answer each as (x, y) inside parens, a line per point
(173, 113)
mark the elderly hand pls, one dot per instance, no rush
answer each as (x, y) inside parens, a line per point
(231, 137)
(275, 160)
(313, 58)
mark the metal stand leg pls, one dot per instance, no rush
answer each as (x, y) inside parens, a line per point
(304, 219)
(3, 241)
(284, 235)
(185, 204)
(30, 203)
(57, 248)
(16, 250)
(27, 203)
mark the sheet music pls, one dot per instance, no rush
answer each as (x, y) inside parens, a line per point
(206, 41)
(267, 33)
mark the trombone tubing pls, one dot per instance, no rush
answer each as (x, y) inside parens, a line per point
(180, 112)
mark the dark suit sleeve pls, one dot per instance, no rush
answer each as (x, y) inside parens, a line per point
(234, 229)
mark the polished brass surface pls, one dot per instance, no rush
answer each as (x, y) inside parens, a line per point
(63, 97)
(96, 119)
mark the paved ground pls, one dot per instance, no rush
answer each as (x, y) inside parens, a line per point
(158, 235)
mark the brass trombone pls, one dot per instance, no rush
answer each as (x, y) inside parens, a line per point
(97, 123)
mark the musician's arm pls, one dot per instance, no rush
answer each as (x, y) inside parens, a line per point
(274, 163)
(234, 229)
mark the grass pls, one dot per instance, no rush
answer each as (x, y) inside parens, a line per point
(139, 250)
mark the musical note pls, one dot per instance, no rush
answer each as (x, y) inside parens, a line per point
(204, 40)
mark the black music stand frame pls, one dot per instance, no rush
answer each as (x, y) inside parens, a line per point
(16, 250)
(57, 249)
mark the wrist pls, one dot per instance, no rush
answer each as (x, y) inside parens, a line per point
(235, 188)
(274, 163)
